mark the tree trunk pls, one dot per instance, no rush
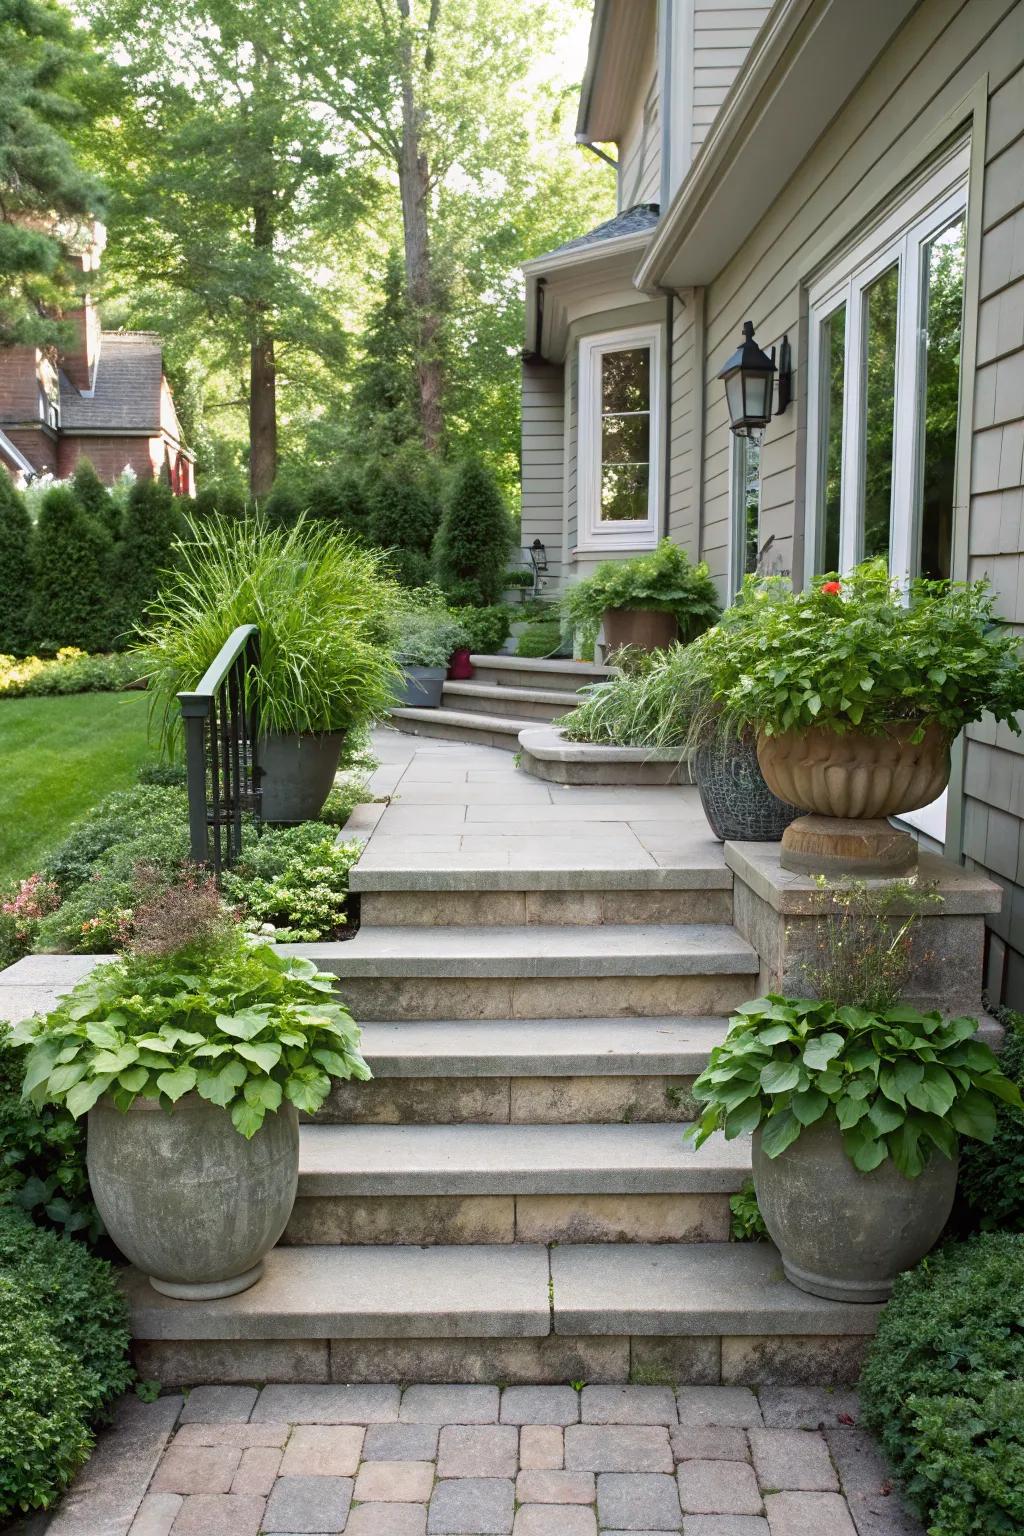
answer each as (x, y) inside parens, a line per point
(414, 186)
(262, 378)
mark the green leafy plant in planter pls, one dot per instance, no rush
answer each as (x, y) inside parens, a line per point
(836, 1093)
(645, 704)
(191, 1055)
(487, 629)
(662, 582)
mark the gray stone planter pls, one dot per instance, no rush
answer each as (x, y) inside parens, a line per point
(297, 774)
(546, 754)
(737, 802)
(845, 1234)
(187, 1199)
(420, 687)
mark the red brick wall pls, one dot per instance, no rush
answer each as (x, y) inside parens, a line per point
(19, 384)
(38, 446)
(109, 455)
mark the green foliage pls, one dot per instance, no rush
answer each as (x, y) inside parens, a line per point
(860, 657)
(296, 880)
(992, 1176)
(118, 823)
(487, 629)
(321, 601)
(221, 500)
(864, 950)
(95, 499)
(241, 1024)
(44, 59)
(42, 1155)
(541, 639)
(70, 671)
(646, 704)
(70, 602)
(63, 1359)
(143, 555)
(897, 1082)
(16, 570)
(475, 536)
(664, 581)
(746, 1224)
(943, 1387)
(427, 637)
(518, 577)
(384, 405)
(403, 519)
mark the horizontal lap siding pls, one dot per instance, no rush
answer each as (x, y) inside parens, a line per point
(543, 465)
(684, 424)
(640, 146)
(934, 62)
(722, 34)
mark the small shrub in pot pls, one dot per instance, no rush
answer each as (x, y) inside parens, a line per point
(426, 634)
(192, 1055)
(661, 583)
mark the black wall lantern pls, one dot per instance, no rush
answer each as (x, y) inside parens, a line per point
(748, 377)
(538, 557)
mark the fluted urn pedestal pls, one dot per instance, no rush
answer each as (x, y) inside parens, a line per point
(850, 784)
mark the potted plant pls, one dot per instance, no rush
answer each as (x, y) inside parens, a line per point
(427, 634)
(647, 602)
(321, 601)
(191, 1056)
(856, 691)
(855, 1114)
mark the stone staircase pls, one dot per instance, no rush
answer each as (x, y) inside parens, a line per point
(506, 694)
(512, 1198)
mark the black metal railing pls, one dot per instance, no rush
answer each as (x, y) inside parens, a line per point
(221, 751)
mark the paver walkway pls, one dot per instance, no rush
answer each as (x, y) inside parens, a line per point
(477, 1461)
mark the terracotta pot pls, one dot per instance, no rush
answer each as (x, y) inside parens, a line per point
(856, 775)
(845, 1234)
(643, 628)
(460, 668)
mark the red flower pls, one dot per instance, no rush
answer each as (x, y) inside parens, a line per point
(833, 588)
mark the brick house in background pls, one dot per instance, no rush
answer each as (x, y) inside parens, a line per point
(105, 398)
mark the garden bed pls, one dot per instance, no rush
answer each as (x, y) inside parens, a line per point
(547, 754)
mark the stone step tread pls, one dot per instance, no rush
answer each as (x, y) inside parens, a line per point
(542, 1047)
(490, 1291)
(467, 719)
(517, 1160)
(635, 949)
(473, 690)
(587, 671)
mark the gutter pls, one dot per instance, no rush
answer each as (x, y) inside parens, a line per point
(594, 47)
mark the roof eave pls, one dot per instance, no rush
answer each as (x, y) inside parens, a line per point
(811, 52)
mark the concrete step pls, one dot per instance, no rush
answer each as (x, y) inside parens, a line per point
(575, 908)
(541, 971)
(434, 1184)
(461, 725)
(499, 699)
(695, 1312)
(539, 1072)
(524, 672)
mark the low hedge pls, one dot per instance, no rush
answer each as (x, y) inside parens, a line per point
(63, 1359)
(42, 1155)
(943, 1387)
(992, 1174)
(70, 671)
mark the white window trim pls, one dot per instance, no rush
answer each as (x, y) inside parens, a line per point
(898, 237)
(738, 511)
(593, 535)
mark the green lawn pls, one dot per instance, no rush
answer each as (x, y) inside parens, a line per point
(58, 756)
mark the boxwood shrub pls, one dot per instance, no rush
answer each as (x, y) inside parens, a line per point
(992, 1174)
(943, 1386)
(63, 1359)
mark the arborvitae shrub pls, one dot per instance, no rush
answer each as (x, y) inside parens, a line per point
(16, 539)
(475, 536)
(95, 497)
(218, 500)
(284, 506)
(151, 524)
(403, 520)
(71, 595)
(338, 497)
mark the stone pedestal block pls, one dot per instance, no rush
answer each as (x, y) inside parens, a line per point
(780, 913)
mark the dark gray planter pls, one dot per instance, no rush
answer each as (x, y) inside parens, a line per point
(186, 1198)
(420, 687)
(297, 774)
(845, 1234)
(737, 802)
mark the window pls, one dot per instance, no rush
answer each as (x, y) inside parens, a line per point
(618, 440)
(746, 508)
(885, 330)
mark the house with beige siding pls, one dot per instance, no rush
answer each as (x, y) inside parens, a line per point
(848, 175)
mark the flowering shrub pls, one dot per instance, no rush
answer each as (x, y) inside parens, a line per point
(34, 898)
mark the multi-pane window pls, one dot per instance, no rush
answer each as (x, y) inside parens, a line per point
(885, 332)
(618, 438)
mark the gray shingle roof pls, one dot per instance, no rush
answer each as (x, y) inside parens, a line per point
(127, 386)
(633, 221)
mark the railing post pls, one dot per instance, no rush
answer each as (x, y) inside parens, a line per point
(195, 711)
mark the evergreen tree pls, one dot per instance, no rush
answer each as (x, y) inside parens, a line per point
(95, 497)
(403, 520)
(15, 570)
(338, 497)
(384, 394)
(70, 599)
(151, 524)
(43, 60)
(475, 537)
